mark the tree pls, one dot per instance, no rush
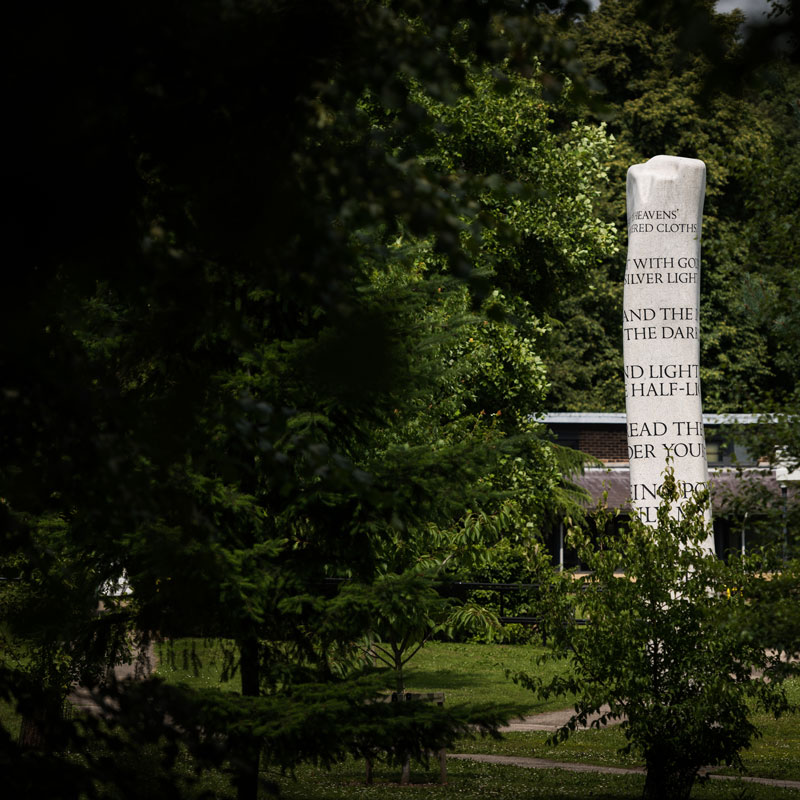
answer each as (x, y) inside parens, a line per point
(224, 370)
(488, 375)
(662, 645)
(680, 79)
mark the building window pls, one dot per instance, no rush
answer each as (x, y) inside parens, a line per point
(713, 452)
(722, 452)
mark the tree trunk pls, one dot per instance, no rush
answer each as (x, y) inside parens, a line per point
(36, 727)
(397, 657)
(667, 782)
(405, 772)
(249, 749)
(41, 719)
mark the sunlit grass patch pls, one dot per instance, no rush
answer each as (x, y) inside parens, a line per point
(599, 747)
(199, 663)
(476, 673)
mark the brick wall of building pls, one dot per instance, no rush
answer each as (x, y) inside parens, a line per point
(608, 443)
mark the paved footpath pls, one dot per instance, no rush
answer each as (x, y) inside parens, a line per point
(142, 665)
(552, 721)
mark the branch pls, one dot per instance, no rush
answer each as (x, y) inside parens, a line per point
(380, 653)
(415, 651)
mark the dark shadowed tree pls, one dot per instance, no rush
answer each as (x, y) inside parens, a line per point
(226, 374)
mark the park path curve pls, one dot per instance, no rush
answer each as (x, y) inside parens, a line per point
(553, 720)
(142, 665)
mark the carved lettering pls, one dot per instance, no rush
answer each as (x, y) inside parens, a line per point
(647, 429)
(660, 332)
(643, 332)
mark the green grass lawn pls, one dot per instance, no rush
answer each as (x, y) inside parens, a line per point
(775, 755)
(198, 663)
(473, 781)
(466, 673)
(476, 673)
(9, 718)
(587, 747)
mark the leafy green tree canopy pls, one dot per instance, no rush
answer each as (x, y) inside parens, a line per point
(662, 647)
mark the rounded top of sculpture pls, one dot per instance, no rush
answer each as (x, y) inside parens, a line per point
(669, 167)
(666, 179)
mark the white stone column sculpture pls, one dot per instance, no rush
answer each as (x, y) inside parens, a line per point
(661, 329)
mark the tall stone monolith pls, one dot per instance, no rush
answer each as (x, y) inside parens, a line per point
(661, 330)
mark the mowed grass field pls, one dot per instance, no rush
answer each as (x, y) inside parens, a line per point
(474, 781)
(466, 673)
(477, 673)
